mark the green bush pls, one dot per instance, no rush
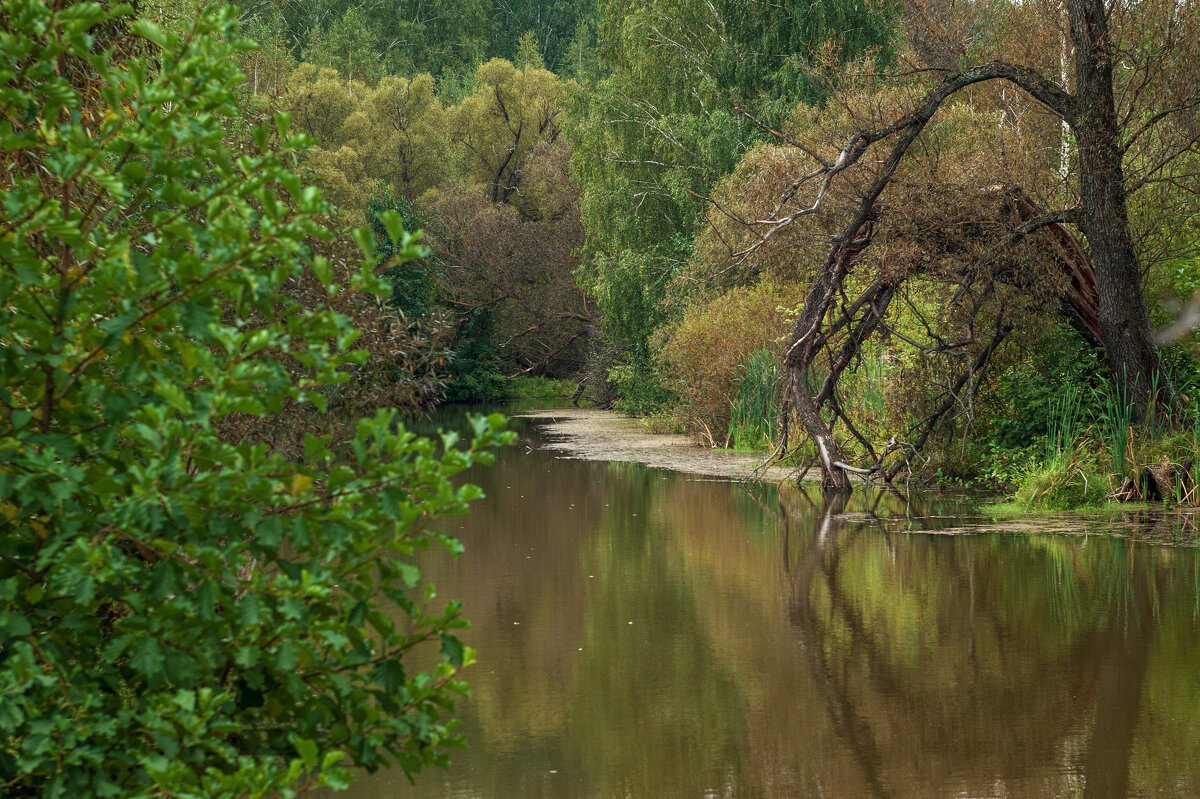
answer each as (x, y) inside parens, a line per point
(473, 374)
(184, 612)
(1023, 407)
(413, 290)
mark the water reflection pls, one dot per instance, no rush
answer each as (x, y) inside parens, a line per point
(1021, 662)
(643, 634)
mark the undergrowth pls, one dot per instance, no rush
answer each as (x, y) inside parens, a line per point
(1112, 459)
(521, 388)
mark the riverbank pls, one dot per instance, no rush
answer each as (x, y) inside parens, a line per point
(598, 435)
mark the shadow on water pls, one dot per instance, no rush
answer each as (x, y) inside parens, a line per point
(646, 634)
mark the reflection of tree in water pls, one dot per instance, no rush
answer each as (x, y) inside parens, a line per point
(673, 725)
(944, 662)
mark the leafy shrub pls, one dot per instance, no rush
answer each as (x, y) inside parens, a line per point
(474, 373)
(704, 355)
(1025, 393)
(412, 284)
(184, 612)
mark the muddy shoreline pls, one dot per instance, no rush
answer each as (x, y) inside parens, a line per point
(597, 435)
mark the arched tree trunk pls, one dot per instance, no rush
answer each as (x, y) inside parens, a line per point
(1119, 321)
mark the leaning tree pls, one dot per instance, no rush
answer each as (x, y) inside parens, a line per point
(1126, 98)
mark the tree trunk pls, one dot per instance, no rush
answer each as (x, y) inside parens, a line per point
(834, 478)
(806, 345)
(1129, 349)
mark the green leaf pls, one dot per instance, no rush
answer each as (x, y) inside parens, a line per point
(452, 650)
(147, 658)
(13, 624)
(149, 30)
(389, 675)
(307, 750)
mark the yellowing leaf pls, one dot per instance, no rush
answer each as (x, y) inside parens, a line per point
(300, 484)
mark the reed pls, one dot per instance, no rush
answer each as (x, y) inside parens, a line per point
(1118, 425)
(1065, 423)
(1187, 487)
(754, 411)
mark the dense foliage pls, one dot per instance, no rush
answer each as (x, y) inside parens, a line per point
(488, 179)
(446, 38)
(188, 608)
(664, 118)
(207, 499)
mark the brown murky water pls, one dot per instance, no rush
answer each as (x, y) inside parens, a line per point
(647, 634)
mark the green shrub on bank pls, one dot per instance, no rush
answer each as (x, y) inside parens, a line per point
(474, 373)
(185, 611)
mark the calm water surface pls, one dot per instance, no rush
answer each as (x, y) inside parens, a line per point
(647, 634)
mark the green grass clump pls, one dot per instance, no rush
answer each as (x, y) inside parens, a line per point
(1063, 483)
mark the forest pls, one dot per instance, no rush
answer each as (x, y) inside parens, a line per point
(639, 198)
(242, 248)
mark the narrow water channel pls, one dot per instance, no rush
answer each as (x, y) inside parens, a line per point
(649, 634)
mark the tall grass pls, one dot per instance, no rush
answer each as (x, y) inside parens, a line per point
(1192, 495)
(1064, 477)
(1118, 424)
(1065, 421)
(754, 412)
(1159, 455)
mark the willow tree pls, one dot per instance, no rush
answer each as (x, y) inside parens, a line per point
(511, 110)
(658, 126)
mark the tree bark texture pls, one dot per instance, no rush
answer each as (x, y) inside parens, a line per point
(1129, 349)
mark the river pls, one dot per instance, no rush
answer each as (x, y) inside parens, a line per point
(649, 634)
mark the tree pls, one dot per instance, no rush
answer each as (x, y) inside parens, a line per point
(510, 111)
(550, 26)
(387, 138)
(408, 135)
(518, 262)
(657, 127)
(268, 65)
(528, 54)
(1108, 144)
(348, 44)
(186, 610)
